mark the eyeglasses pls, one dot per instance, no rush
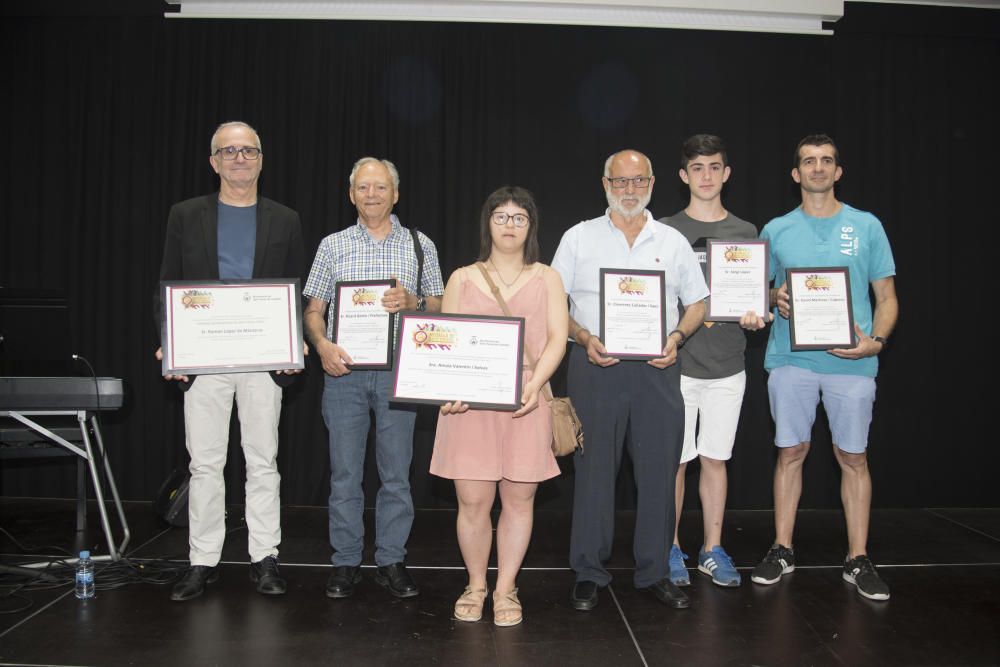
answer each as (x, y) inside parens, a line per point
(620, 182)
(230, 152)
(501, 218)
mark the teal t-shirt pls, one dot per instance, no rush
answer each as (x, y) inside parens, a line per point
(852, 238)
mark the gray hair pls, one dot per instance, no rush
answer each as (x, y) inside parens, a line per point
(390, 167)
(234, 123)
(611, 158)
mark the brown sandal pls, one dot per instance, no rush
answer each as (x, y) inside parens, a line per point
(506, 609)
(469, 606)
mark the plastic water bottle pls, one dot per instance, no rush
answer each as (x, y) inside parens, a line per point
(85, 576)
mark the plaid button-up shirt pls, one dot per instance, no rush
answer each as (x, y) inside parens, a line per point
(352, 254)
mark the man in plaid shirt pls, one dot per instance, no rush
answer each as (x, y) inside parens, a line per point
(376, 248)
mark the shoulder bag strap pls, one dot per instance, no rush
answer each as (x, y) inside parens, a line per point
(506, 311)
(418, 250)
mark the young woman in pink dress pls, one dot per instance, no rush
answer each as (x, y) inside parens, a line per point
(486, 450)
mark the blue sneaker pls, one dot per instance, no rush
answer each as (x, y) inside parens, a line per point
(718, 565)
(678, 573)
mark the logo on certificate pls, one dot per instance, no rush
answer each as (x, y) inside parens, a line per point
(736, 254)
(193, 298)
(816, 283)
(363, 297)
(434, 337)
(630, 285)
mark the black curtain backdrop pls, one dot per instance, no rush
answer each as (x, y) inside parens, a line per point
(106, 121)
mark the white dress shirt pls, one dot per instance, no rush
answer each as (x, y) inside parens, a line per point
(596, 244)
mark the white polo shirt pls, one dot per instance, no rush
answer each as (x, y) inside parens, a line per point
(597, 244)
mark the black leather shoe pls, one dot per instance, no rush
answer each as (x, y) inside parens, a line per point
(584, 596)
(395, 579)
(668, 593)
(192, 584)
(342, 581)
(265, 574)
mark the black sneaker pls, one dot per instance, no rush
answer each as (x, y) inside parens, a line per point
(778, 561)
(861, 572)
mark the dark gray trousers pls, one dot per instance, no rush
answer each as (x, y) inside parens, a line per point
(645, 402)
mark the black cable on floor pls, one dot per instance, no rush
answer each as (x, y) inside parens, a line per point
(58, 572)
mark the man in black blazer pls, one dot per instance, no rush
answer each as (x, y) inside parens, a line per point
(232, 234)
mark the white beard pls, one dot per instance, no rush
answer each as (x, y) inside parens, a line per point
(614, 203)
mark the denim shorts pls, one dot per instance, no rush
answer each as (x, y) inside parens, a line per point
(848, 399)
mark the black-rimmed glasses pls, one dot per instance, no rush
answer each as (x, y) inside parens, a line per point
(230, 152)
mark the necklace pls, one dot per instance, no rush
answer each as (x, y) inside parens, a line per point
(507, 284)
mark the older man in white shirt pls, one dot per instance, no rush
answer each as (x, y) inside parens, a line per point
(615, 396)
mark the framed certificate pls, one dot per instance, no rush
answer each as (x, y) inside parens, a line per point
(821, 316)
(737, 279)
(361, 325)
(632, 313)
(471, 358)
(231, 326)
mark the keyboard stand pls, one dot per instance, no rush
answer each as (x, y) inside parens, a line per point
(86, 420)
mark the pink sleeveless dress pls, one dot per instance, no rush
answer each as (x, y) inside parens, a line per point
(489, 445)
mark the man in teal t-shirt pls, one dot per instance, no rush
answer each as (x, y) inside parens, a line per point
(826, 232)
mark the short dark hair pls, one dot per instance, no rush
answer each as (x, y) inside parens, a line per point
(815, 140)
(509, 194)
(703, 144)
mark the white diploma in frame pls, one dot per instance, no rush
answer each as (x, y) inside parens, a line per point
(632, 313)
(469, 358)
(361, 325)
(232, 326)
(737, 279)
(821, 317)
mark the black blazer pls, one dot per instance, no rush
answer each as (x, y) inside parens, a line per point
(191, 249)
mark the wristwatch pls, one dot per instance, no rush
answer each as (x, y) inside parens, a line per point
(421, 303)
(680, 333)
(884, 341)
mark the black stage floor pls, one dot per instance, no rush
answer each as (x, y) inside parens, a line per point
(943, 566)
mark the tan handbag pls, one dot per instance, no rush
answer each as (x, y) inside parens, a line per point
(567, 431)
